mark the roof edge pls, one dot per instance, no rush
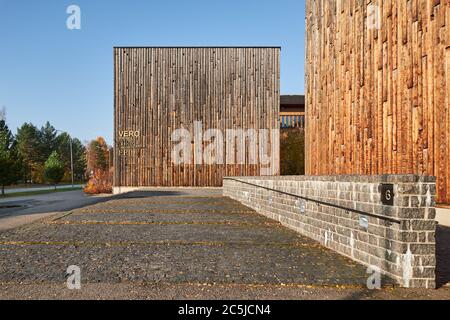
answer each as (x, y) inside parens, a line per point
(197, 47)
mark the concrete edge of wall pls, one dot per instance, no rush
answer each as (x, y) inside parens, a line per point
(122, 190)
(346, 214)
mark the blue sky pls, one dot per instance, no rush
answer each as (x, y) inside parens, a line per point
(48, 72)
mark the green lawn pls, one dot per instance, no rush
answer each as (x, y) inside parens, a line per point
(33, 193)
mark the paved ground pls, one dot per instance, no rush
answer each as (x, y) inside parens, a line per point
(178, 244)
(18, 211)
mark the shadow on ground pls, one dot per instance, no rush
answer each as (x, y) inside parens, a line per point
(68, 201)
(442, 256)
(147, 194)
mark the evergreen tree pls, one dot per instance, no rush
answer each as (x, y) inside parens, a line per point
(97, 155)
(3, 113)
(80, 161)
(54, 168)
(34, 147)
(47, 141)
(8, 157)
(63, 148)
(79, 155)
(27, 141)
(292, 151)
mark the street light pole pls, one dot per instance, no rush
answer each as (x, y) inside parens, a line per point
(71, 159)
(71, 155)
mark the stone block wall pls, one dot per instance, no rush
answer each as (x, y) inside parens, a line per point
(346, 214)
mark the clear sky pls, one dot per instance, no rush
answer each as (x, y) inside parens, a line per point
(48, 72)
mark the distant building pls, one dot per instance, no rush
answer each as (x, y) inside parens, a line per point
(292, 111)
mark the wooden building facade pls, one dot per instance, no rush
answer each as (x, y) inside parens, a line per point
(378, 88)
(159, 90)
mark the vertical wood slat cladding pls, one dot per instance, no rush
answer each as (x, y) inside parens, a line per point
(378, 100)
(158, 90)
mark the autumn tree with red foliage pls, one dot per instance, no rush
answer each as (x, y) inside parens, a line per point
(100, 182)
(97, 155)
(98, 167)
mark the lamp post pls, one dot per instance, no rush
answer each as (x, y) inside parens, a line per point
(71, 154)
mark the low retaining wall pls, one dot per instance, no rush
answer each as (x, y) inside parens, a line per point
(355, 216)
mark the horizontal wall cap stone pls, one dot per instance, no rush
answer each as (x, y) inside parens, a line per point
(410, 178)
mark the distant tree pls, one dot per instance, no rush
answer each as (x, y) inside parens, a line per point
(3, 113)
(97, 155)
(27, 140)
(34, 147)
(80, 162)
(8, 157)
(100, 182)
(292, 151)
(54, 169)
(7, 139)
(47, 141)
(99, 171)
(79, 156)
(62, 143)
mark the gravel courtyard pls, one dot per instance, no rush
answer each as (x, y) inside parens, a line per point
(178, 244)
